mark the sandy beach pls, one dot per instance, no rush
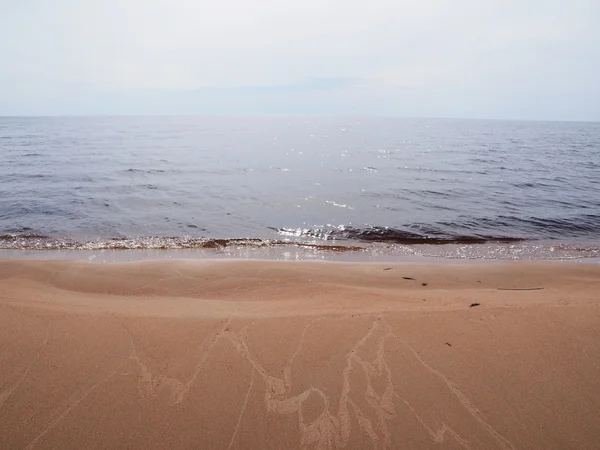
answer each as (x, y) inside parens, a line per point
(282, 355)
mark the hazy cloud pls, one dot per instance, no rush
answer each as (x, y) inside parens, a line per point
(534, 59)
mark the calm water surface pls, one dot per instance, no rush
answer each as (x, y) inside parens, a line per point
(186, 182)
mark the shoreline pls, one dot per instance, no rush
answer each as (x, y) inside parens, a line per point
(448, 253)
(299, 354)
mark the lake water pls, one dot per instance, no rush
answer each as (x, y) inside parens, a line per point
(458, 188)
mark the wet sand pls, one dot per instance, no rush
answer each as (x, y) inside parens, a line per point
(249, 354)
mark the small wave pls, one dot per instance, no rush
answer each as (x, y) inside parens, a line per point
(39, 242)
(465, 230)
(391, 235)
(576, 226)
(338, 205)
(25, 236)
(579, 225)
(145, 170)
(323, 233)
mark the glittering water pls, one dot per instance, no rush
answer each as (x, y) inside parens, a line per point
(197, 182)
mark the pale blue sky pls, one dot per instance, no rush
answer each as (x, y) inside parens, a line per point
(526, 59)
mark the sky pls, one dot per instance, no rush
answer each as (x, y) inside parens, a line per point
(505, 59)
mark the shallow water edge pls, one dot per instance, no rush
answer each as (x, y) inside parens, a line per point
(303, 251)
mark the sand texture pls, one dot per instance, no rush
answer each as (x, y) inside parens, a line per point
(283, 355)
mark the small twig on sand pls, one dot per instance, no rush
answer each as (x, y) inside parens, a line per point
(521, 289)
(408, 278)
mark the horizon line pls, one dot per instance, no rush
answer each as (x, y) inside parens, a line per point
(349, 116)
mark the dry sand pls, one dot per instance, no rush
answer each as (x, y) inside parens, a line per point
(246, 354)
